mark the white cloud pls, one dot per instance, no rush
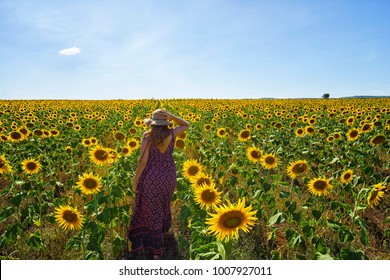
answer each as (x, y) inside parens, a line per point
(70, 51)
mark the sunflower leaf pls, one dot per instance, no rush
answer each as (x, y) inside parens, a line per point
(276, 219)
(8, 211)
(320, 256)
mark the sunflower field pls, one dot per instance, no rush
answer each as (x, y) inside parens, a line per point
(256, 179)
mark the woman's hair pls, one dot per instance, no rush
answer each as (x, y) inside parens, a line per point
(158, 133)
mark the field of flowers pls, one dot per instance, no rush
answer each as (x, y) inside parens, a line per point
(257, 179)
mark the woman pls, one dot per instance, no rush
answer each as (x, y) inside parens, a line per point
(155, 182)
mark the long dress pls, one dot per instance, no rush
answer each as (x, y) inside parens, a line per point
(151, 218)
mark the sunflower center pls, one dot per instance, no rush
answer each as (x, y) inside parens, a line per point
(31, 165)
(299, 168)
(90, 183)
(256, 154)
(347, 176)
(221, 132)
(119, 136)
(379, 139)
(193, 170)
(101, 155)
(2, 163)
(270, 160)
(232, 219)
(180, 143)
(16, 135)
(320, 185)
(373, 195)
(354, 133)
(132, 144)
(208, 196)
(245, 134)
(70, 216)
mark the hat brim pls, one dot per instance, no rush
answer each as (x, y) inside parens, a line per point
(150, 122)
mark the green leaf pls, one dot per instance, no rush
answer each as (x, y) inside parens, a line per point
(16, 199)
(276, 219)
(346, 254)
(364, 237)
(108, 214)
(316, 214)
(118, 244)
(284, 194)
(74, 242)
(8, 211)
(320, 256)
(35, 240)
(308, 230)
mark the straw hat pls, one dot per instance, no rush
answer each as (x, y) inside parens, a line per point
(158, 118)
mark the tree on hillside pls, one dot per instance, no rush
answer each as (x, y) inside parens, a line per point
(326, 96)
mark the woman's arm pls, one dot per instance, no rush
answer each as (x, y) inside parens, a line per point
(144, 155)
(183, 125)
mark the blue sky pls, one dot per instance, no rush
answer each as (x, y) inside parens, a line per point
(118, 49)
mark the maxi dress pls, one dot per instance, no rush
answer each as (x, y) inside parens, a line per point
(151, 218)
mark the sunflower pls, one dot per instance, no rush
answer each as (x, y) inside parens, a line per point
(300, 132)
(337, 136)
(99, 155)
(89, 183)
(200, 179)
(352, 134)
(3, 137)
(258, 126)
(68, 149)
(244, 135)
(138, 122)
(38, 132)
(207, 127)
(126, 150)
(269, 161)
(319, 186)
(221, 132)
(31, 166)
(180, 143)
(68, 218)
(350, 121)
(330, 139)
(375, 194)
(182, 135)
(297, 168)
(133, 143)
(114, 156)
(309, 130)
(347, 176)
(16, 136)
(378, 140)
(119, 136)
(367, 127)
(207, 196)
(4, 165)
(86, 142)
(191, 168)
(254, 154)
(229, 219)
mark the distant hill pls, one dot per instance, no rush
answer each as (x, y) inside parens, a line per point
(365, 96)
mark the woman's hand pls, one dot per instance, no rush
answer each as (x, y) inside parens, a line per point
(168, 115)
